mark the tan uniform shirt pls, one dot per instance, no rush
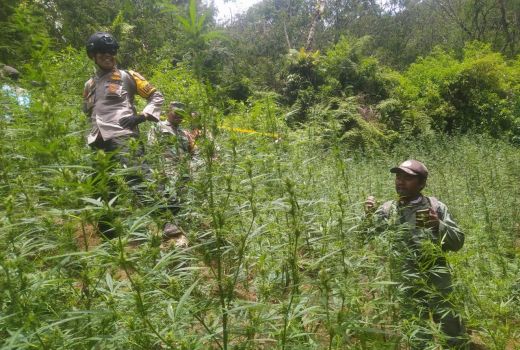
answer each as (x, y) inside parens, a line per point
(109, 96)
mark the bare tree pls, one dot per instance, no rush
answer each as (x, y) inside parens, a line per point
(320, 7)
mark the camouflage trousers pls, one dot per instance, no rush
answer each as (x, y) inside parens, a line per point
(428, 296)
(177, 176)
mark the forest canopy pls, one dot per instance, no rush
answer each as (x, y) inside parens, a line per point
(411, 67)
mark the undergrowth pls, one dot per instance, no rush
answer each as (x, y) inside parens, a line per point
(277, 255)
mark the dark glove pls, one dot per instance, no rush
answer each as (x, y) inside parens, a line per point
(131, 122)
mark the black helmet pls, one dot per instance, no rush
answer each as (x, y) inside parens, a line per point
(101, 42)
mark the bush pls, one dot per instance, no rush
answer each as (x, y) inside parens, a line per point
(404, 118)
(238, 89)
(179, 84)
(479, 93)
(301, 73)
(344, 120)
(260, 113)
(356, 72)
(302, 107)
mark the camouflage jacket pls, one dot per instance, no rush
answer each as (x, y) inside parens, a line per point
(449, 236)
(176, 141)
(419, 251)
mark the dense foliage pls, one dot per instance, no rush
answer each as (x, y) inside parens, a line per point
(294, 137)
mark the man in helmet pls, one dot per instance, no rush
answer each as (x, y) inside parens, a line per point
(109, 96)
(421, 230)
(108, 101)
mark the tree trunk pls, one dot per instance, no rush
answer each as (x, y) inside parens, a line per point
(505, 26)
(320, 6)
(287, 40)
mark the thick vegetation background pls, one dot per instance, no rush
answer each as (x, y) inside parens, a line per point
(304, 107)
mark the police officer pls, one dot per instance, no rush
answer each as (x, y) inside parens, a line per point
(109, 97)
(424, 230)
(108, 101)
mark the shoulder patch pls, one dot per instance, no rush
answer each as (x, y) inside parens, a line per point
(116, 75)
(136, 75)
(144, 88)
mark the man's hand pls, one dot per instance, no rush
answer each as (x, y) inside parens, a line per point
(370, 204)
(433, 220)
(131, 122)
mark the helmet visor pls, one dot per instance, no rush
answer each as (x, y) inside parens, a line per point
(110, 50)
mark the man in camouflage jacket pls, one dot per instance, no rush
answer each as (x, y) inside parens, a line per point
(177, 146)
(423, 231)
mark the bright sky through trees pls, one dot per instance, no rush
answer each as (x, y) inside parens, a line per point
(229, 9)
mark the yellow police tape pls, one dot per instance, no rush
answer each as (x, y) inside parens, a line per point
(249, 131)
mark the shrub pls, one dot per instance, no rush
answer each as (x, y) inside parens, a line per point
(356, 72)
(261, 113)
(346, 121)
(301, 74)
(301, 109)
(478, 94)
(475, 94)
(404, 118)
(180, 84)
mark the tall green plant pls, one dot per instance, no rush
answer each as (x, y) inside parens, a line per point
(195, 42)
(25, 31)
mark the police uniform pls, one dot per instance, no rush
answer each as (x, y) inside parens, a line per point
(108, 97)
(179, 141)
